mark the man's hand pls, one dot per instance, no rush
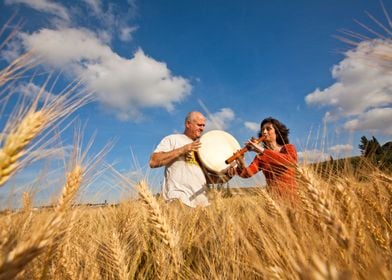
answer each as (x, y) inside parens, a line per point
(164, 158)
(236, 167)
(192, 147)
(231, 171)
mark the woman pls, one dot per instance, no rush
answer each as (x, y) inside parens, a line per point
(276, 158)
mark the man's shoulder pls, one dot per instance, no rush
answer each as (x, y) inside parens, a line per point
(175, 136)
(172, 141)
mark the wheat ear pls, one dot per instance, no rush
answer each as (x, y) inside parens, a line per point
(378, 237)
(159, 224)
(271, 206)
(319, 269)
(118, 257)
(72, 185)
(26, 199)
(25, 252)
(15, 143)
(322, 207)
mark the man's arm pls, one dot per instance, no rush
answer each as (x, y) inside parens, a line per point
(164, 158)
(159, 159)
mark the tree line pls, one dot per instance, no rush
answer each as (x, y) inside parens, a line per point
(379, 155)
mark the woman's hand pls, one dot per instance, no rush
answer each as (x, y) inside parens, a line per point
(254, 146)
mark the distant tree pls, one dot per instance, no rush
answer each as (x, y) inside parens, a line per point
(387, 155)
(363, 145)
(387, 147)
(370, 148)
(381, 156)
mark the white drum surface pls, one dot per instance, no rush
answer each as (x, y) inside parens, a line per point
(216, 147)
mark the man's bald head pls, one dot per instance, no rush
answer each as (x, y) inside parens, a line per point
(191, 116)
(194, 124)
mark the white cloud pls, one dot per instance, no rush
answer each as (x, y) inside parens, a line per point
(46, 6)
(110, 20)
(310, 156)
(124, 85)
(126, 33)
(32, 91)
(220, 120)
(379, 120)
(340, 149)
(315, 155)
(12, 50)
(64, 46)
(94, 5)
(363, 83)
(252, 126)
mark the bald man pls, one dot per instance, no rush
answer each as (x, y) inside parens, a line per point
(184, 177)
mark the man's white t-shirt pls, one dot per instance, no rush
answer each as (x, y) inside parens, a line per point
(184, 179)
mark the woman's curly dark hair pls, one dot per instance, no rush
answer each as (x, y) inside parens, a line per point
(282, 132)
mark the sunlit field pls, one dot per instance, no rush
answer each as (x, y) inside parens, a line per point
(339, 227)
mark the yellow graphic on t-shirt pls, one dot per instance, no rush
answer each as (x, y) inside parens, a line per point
(191, 158)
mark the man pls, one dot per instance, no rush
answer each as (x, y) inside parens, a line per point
(184, 178)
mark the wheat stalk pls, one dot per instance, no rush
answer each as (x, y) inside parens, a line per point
(319, 269)
(26, 202)
(21, 64)
(31, 125)
(270, 205)
(72, 185)
(16, 68)
(378, 237)
(371, 203)
(159, 224)
(21, 131)
(119, 257)
(346, 199)
(25, 252)
(322, 207)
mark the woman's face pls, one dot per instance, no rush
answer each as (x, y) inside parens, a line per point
(269, 133)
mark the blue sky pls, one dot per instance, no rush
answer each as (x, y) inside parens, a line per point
(150, 62)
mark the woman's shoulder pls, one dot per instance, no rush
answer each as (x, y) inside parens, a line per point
(288, 147)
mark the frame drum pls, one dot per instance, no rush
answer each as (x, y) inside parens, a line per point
(216, 147)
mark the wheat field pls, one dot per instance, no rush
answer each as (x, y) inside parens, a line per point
(339, 228)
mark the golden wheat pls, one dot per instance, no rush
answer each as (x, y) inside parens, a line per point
(26, 204)
(31, 125)
(26, 251)
(74, 180)
(159, 225)
(26, 126)
(238, 240)
(322, 207)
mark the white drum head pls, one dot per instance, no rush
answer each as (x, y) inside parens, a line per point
(216, 147)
